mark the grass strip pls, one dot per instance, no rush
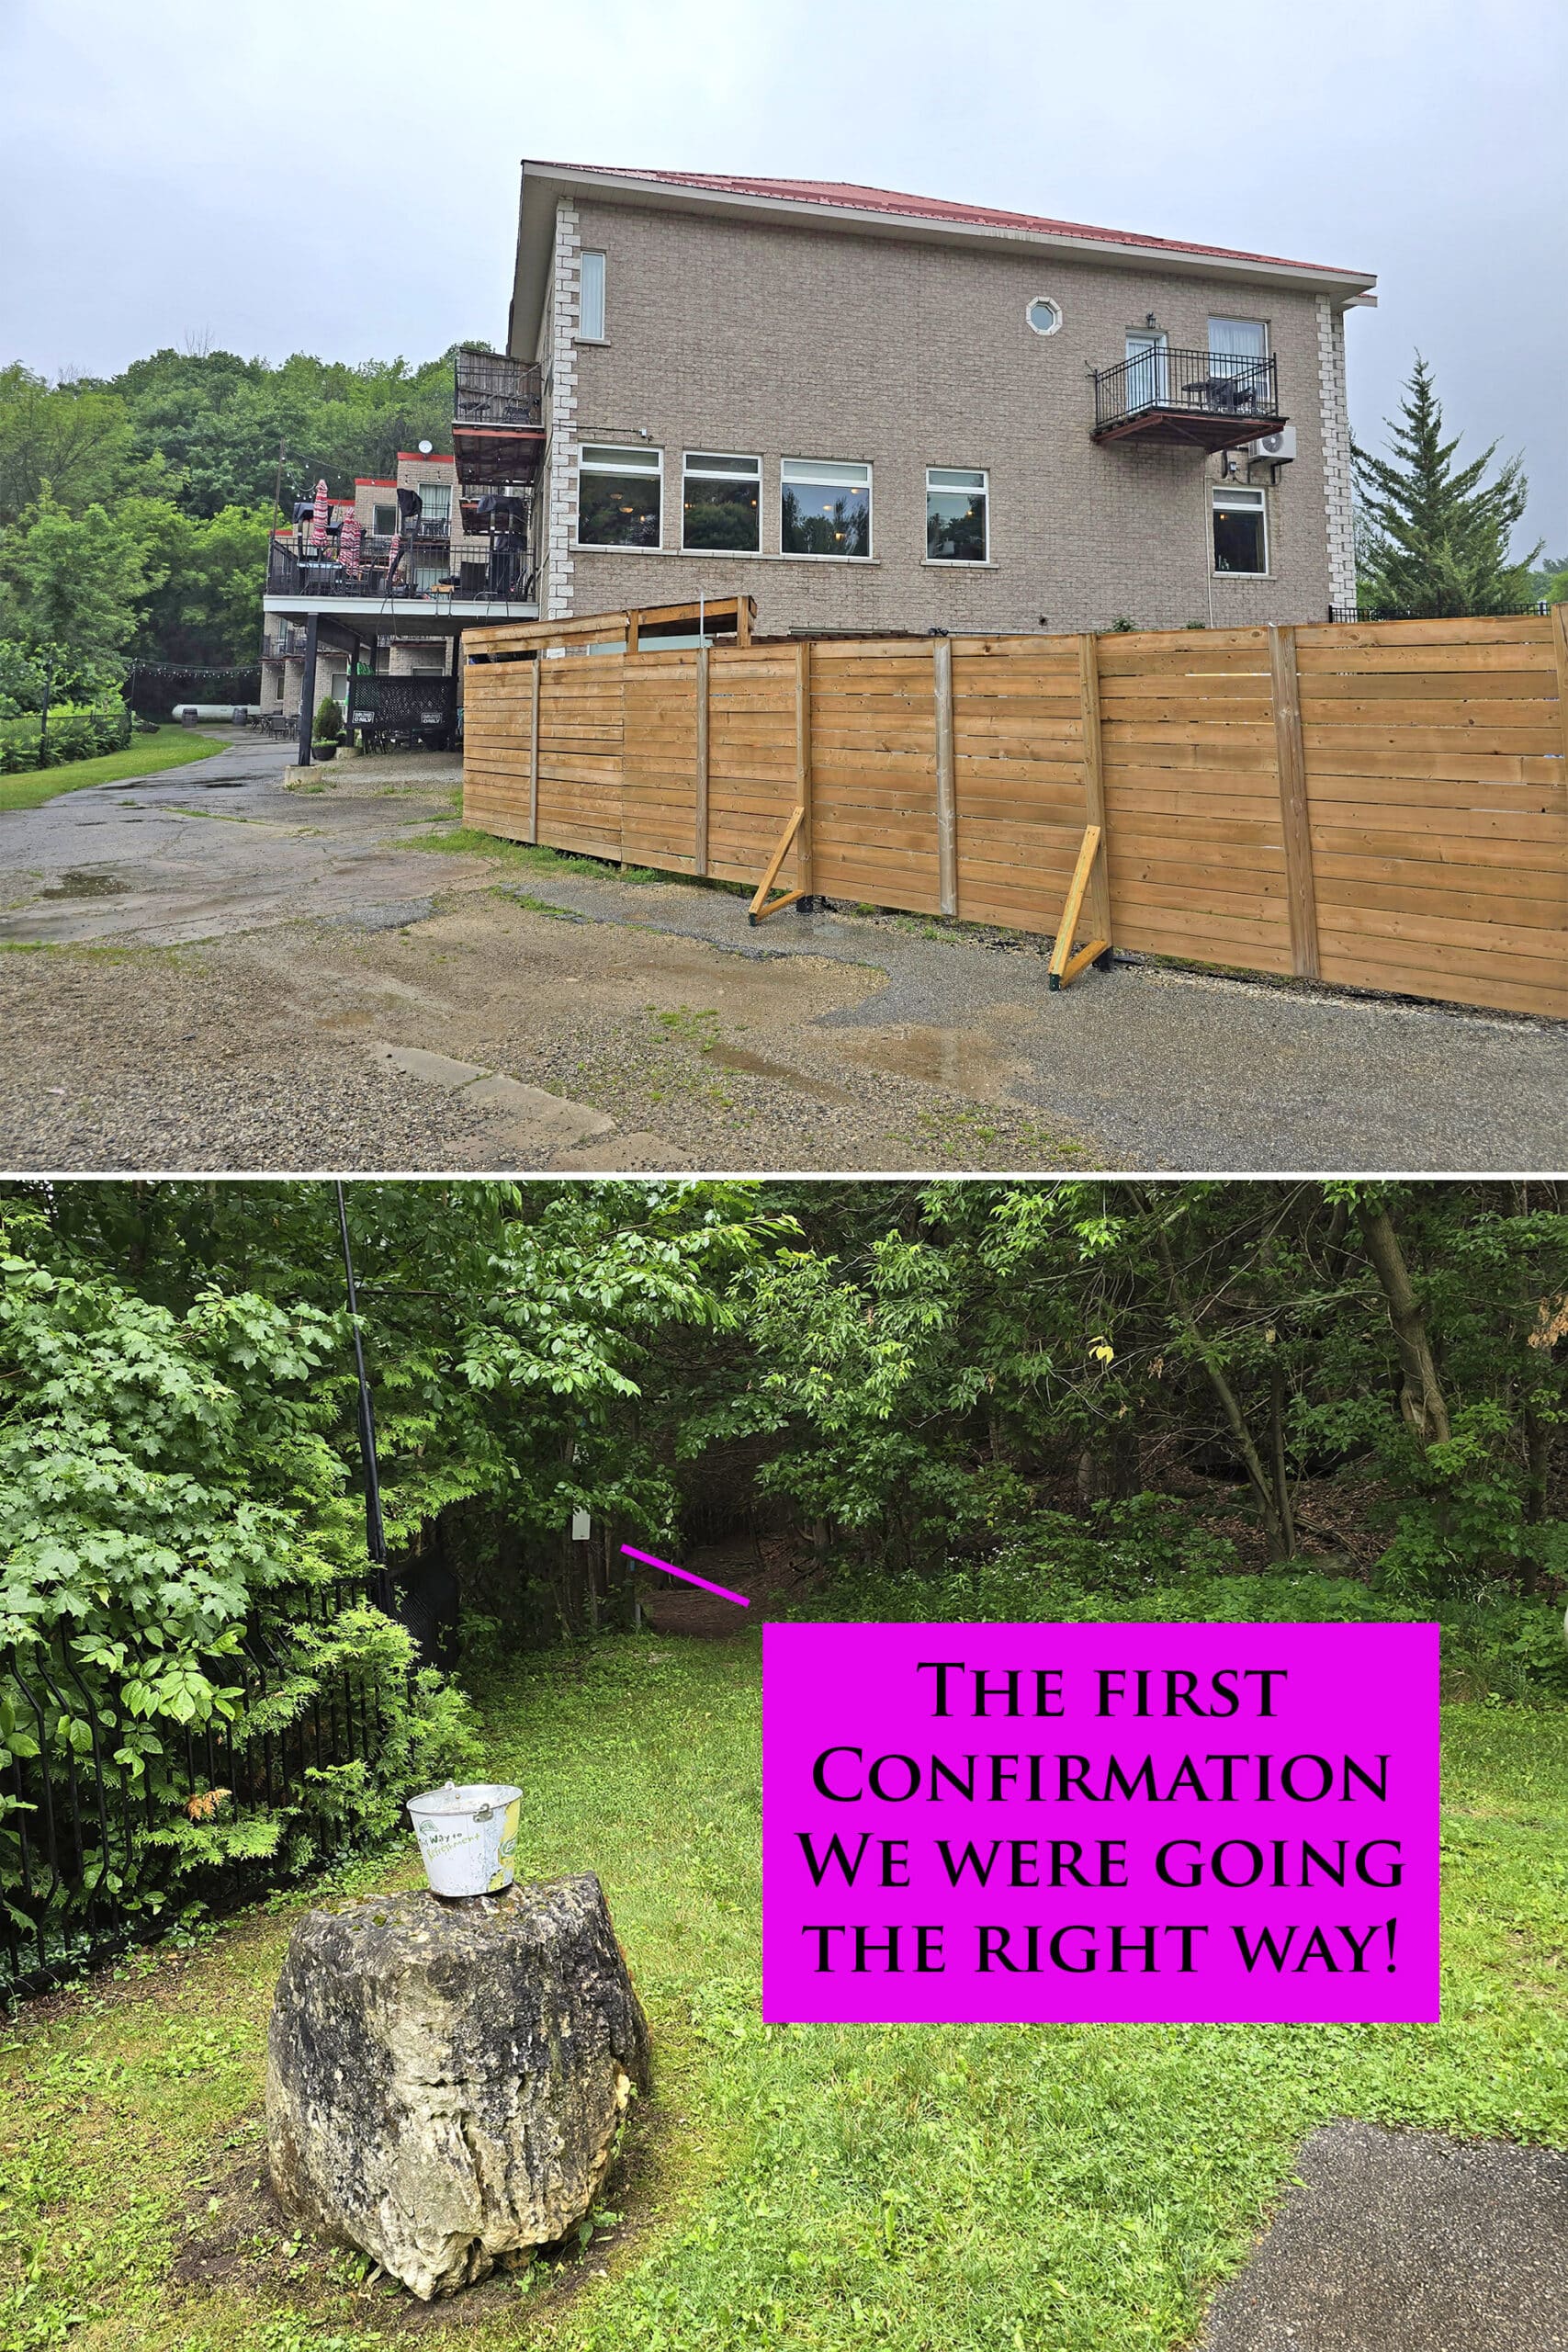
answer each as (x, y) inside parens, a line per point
(171, 747)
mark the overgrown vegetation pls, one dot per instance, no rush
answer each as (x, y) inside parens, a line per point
(931, 2188)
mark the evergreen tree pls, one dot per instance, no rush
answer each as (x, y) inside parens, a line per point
(1432, 541)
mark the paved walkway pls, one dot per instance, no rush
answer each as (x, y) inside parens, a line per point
(1407, 2242)
(828, 1041)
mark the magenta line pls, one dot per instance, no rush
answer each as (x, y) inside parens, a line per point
(672, 1570)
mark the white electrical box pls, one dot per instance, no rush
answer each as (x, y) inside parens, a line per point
(579, 1526)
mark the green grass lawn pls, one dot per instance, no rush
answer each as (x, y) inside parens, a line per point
(975, 2188)
(171, 747)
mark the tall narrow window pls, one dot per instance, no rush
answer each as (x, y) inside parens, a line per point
(721, 500)
(1148, 374)
(618, 502)
(591, 325)
(1241, 531)
(825, 508)
(437, 497)
(956, 505)
(1237, 350)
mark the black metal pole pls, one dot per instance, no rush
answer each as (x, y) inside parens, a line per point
(375, 1533)
(43, 715)
(308, 689)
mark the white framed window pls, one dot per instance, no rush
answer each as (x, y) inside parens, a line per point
(620, 497)
(1148, 371)
(436, 498)
(1237, 349)
(1241, 530)
(591, 325)
(1043, 314)
(824, 507)
(721, 502)
(958, 503)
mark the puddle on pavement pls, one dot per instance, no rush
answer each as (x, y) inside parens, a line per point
(961, 1059)
(736, 1057)
(85, 882)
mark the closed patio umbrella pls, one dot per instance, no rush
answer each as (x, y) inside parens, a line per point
(394, 556)
(321, 518)
(348, 543)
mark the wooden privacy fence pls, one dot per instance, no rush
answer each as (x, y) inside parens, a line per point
(1382, 805)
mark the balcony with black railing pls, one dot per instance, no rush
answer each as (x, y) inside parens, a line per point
(1202, 400)
(413, 571)
(498, 413)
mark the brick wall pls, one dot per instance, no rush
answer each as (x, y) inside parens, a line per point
(780, 341)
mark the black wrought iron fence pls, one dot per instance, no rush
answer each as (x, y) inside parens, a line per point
(1187, 383)
(1347, 613)
(99, 1811)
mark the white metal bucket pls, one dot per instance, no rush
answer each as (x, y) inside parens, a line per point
(467, 1836)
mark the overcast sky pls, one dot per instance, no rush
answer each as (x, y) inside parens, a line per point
(341, 175)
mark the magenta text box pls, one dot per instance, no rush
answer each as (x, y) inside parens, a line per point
(1097, 1821)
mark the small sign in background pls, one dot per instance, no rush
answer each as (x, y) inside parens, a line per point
(970, 1823)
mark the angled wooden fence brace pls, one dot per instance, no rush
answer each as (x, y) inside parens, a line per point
(1064, 967)
(760, 910)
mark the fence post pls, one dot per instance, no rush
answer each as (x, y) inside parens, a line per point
(1097, 897)
(538, 664)
(805, 880)
(1559, 646)
(1291, 762)
(946, 803)
(700, 858)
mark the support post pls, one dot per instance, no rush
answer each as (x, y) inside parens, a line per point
(805, 879)
(1094, 783)
(946, 797)
(743, 621)
(1300, 895)
(700, 846)
(1064, 967)
(308, 689)
(1559, 648)
(633, 619)
(538, 667)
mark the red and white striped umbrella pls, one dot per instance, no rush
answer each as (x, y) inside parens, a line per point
(348, 540)
(319, 534)
(394, 555)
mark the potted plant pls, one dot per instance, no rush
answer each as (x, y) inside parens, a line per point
(328, 729)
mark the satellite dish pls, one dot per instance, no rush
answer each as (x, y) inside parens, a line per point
(425, 447)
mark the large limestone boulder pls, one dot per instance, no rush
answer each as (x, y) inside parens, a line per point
(444, 2079)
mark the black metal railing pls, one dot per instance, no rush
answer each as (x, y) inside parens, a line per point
(505, 576)
(491, 389)
(95, 1835)
(1186, 383)
(406, 712)
(1350, 613)
(286, 644)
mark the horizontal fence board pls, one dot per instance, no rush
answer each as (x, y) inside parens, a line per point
(1433, 753)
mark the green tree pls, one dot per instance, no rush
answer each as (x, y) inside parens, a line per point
(75, 582)
(79, 441)
(1433, 539)
(208, 604)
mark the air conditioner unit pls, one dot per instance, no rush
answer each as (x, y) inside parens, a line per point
(1274, 448)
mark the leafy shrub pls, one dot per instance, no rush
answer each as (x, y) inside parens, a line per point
(74, 734)
(181, 1578)
(329, 721)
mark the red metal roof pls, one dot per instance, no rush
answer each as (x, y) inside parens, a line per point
(374, 482)
(424, 457)
(847, 196)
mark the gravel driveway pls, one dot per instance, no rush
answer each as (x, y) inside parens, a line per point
(211, 970)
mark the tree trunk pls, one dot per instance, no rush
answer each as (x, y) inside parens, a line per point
(1421, 1400)
(1275, 1526)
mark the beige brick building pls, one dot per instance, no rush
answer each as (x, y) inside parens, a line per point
(877, 411)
